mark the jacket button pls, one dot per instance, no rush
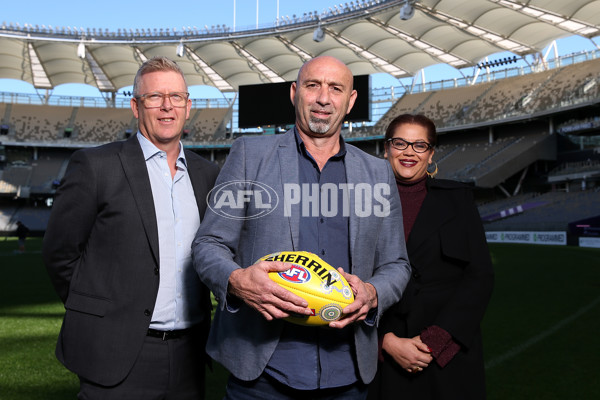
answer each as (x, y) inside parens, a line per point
(416, 275)
(147, 312)
(156, 270)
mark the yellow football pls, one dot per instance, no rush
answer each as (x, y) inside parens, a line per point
(322, 286)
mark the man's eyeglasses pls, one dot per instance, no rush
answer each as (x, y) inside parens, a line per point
(401, 144)
(155, 99)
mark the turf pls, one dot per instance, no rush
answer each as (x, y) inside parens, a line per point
(541, 328)
(540, 331)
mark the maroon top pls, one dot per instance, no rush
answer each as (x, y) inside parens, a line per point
(411, 197)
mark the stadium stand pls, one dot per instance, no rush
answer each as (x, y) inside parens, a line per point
(37, 122)
(408, 103)
(557, 210)
(100, 125)
(207, 124)
(35, 218)
(486, 210)
(46, 172)
(450, 106)
(493, 134)
(483, 103)
(503, 98)
(15, 178)
(567, 84)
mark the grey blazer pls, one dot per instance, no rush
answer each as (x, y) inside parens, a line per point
(241, 339)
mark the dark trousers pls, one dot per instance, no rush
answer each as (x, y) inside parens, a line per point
(267, 388)
(165, 370)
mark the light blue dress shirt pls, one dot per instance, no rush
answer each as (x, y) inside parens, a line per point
(178, 300)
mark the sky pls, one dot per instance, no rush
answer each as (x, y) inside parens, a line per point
(115, 14)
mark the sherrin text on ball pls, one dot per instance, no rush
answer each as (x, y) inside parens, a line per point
(322, 286)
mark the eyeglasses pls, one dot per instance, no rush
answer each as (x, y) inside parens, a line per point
(401, 144)
(155, 99)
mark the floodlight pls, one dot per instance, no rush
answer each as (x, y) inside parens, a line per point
(407, 11)
(81, 50)
(180, 50)
(319, 34)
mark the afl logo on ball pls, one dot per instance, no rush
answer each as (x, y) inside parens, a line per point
(296, 274)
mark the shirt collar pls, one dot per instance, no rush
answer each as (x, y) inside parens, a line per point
(302, 148)
(150, 150)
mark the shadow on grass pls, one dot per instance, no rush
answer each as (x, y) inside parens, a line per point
(12, 314)
(215, 389)
(42, 392)
(25, 281)
(31, 313)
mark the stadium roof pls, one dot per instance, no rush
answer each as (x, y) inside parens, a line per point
(369, 36)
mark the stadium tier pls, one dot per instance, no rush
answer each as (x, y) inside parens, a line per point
(528, 142)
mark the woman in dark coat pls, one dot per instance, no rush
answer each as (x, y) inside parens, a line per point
(431, 345)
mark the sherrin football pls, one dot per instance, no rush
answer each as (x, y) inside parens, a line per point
(322, 286)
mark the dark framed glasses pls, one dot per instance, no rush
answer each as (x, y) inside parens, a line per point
(401, 144)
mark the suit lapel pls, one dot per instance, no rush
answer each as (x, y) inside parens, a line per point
(288, 166)
(198, 182)
(134, 166)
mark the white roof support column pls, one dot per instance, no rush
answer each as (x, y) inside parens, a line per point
(266, 72)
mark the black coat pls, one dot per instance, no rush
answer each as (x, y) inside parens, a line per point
(450, 287)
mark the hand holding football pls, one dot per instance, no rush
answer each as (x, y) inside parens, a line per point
(311, 278)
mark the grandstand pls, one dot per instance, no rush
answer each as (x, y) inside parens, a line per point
(527, 136)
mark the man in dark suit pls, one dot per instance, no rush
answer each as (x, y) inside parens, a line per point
(117, 249)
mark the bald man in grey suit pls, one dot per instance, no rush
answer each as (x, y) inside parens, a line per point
(268, 357)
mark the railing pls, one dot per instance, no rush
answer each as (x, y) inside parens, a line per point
(96, 102)
(331, 15)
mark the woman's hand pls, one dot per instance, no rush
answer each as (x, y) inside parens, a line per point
(411, 354)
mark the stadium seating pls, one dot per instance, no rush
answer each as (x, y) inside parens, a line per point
(207, 124)
(567, 84)
(448, 107)
(560, 209)
(488, 134)
(99, 125)
(45, 172)
(94, 125)
(406, 104)
(39, 122)
(35, 218)
(15, 177)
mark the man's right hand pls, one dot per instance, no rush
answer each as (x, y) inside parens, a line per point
(254, 286)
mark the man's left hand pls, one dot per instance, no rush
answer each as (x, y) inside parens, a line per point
(365, 298)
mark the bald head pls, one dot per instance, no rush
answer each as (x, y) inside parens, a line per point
(323, 95)
(326, 60)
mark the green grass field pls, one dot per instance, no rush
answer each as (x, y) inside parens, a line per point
(540, 331)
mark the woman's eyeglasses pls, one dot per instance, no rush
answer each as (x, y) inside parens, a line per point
(401, 144)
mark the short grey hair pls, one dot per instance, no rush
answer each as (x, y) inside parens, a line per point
(155, 64)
